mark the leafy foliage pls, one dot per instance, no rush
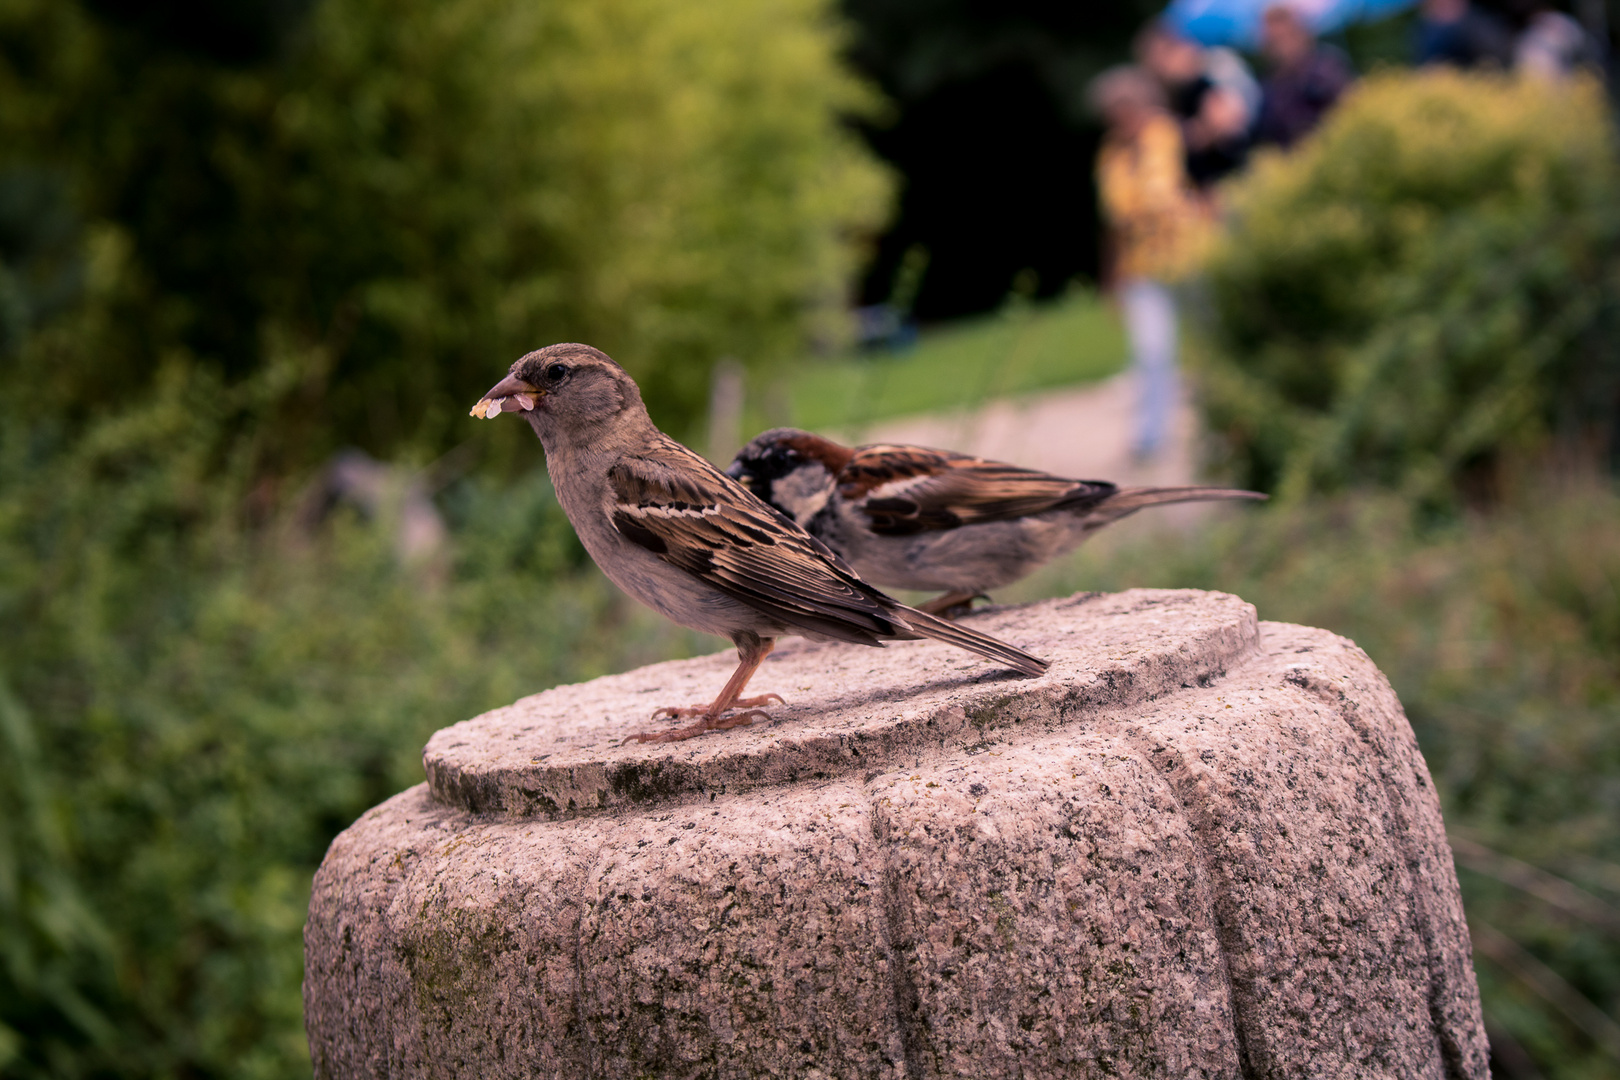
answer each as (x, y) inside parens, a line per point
(417, 193)
(1432, 279)
(231, 244)
(192, 705)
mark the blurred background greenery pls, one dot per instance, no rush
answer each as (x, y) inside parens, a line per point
(1426, 290)
(1021, 349)
(236, 240)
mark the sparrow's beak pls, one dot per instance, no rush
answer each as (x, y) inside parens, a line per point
(508, 395)
(738, 473)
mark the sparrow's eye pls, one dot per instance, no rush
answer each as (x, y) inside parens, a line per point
(556, 373)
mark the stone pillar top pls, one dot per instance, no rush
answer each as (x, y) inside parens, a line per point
(560, 753)
(1197, 846)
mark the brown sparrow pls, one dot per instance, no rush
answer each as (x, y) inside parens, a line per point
(690, 542)
(906, 517)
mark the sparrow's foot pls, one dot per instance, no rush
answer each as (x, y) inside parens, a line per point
(950, 605)
(676, 711)
(707, 724)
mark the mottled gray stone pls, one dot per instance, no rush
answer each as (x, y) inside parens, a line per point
(1200, 846)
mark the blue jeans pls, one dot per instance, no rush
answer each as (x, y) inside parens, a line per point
(1150, 326)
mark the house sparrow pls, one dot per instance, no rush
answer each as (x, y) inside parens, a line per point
(906, 517)
(690, 542)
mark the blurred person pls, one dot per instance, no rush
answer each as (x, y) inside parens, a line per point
(1210, 91)
(1306, 78)
(1457, 33)
(1156, 226)
(1553, 46)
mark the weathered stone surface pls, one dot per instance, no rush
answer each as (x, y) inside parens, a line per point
(850, 708)
(1199, 846)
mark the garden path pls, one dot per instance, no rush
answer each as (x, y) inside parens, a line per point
(1083, 432)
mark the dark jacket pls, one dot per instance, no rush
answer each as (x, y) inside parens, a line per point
(1294, 99)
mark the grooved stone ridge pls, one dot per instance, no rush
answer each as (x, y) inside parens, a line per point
(1200, 845)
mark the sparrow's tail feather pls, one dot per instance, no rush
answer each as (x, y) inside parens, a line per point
(986, 646)
(1130, 500)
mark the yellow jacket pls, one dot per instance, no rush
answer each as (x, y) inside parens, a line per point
(1159, 227)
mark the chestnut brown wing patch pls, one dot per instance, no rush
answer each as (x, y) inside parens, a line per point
(733, 542)
(904, 489)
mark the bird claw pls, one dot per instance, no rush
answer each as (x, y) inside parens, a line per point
(707, 724)
(952, 605)
(758, 701)
(711, 721)
(674, 711)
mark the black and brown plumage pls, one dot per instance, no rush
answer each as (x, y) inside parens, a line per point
(690, 542)
(909, 517)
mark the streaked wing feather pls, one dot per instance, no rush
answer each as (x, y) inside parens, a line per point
(909, 489)
(747, 550)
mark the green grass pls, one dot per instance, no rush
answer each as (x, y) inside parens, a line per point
(1021, 349)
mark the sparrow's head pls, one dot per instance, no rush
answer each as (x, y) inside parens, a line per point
(563, 391)
(792, 470)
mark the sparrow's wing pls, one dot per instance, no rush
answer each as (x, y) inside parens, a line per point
(707, 524)
(909, 489)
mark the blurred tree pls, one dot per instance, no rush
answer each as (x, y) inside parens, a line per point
(991, 134)
(40, 264)
(234, 237)
(1432, 280)
(192, 706)
(413, 194)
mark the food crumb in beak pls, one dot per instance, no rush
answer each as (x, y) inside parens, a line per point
(490, 408)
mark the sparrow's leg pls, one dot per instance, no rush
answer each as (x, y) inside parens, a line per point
(751, 652)
(947, 603)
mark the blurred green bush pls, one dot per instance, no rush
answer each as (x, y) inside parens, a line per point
(195, 698)
(218, 265)
(413, 194)
(1431, 280)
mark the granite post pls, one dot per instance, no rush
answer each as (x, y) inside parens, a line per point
(1200, 846)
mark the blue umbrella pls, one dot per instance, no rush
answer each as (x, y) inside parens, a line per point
(1237, 22)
